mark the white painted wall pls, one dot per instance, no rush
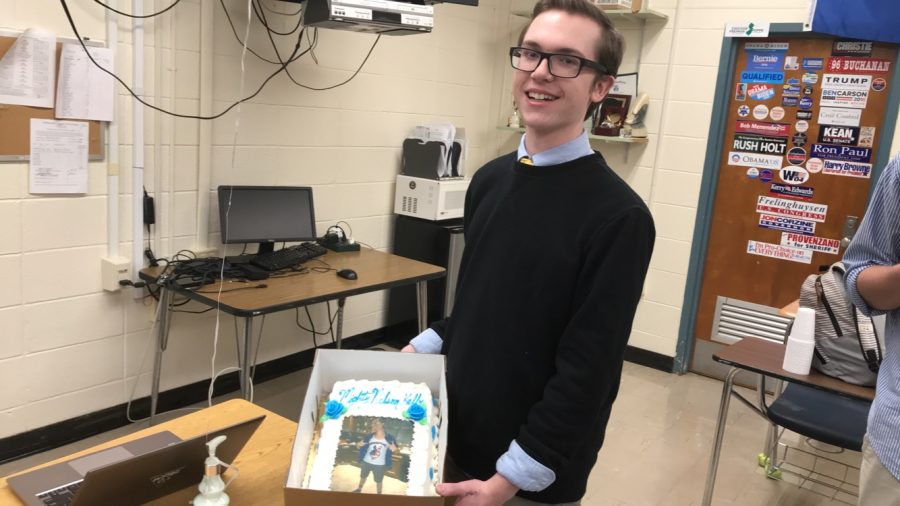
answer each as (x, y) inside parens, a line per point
(68, 348)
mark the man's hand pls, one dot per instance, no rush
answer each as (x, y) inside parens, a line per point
(408, 349)
(493, 492)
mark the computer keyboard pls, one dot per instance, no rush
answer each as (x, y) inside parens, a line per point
(62, 496)
(288, 257)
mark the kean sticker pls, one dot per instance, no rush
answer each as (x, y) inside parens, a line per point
(848, 169)
(810, 78)
(791, 191)
(859, 65)
(843, 153)
(754, 160)
(779, 252)
(761, 91)
(759, 144)
(793, 174)
(811, 242)
(866, 136)
(791, 208)
(839, 116)
(844, 135)
(787, 224)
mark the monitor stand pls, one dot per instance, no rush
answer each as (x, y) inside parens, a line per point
(264, 247)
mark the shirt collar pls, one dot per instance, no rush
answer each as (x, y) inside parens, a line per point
(572, 150)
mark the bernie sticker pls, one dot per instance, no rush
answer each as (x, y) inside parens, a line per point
(814, 165)
(756, 127)
(839, 116)
(792, 208)
(777, 113)
(779, 252)
(754, 160)
(792, 191)
(759, 144)
(787, 224)
(813, 63)
(793, 174)
(799, 139)
(859, 65)
(796, 156)
(843, 153)
(743, 111)
(847, 136)
(811, 242)
(866, 136)
(761, 91)
(848, 169)
(764, 60)
(760, 111)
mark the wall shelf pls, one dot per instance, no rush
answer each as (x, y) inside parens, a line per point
(603, 138)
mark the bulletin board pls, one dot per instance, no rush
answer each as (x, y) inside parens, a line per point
(15, 120)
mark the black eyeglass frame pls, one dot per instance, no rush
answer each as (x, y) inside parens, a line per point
(583, 62)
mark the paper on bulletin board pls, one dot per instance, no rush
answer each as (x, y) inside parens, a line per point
(28, 70)
(84, 91)
(59, 156)
(625, 84)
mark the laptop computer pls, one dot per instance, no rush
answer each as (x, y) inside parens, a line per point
(132, 473)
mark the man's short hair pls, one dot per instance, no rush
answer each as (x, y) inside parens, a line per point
(610, 47)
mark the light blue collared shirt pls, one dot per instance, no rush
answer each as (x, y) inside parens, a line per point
(515, 465)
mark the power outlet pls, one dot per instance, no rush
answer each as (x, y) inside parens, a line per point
(112, 270)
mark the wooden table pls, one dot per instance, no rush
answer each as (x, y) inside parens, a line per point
(263, 462)
(765, 358)
(288, 290)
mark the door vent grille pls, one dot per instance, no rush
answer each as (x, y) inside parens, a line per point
(736, 319)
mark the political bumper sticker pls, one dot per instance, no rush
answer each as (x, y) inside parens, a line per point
(766, 46)
(839, 116)
(749, 76)
(760, 144)
(764, 60)
(792, 191)
(793, 174)
(844, 98)
(760, 111)
(754, 160)
(765, 175)
(814, 165)
(849, 169)
(791, 63)
(740, 92)
(761, 91)
(859, 65)
(848, 136)
(791, 208)
(780, 252)
(796, 156)
(813, 63)
(843, 153)
(799, 139)
(879, 84)
(811, 242)
(851, 48)
(743, 111)
(846, 82)
(787, 224)
(866, 136)
(756, 127)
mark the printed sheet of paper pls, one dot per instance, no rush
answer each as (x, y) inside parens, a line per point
(84, 91)
(28, 70)
(59, 156)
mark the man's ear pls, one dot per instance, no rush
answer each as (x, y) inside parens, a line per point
(601, 88)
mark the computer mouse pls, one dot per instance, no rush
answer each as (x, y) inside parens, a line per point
(347, 274)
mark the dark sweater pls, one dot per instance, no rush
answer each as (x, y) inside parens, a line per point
(550, 279)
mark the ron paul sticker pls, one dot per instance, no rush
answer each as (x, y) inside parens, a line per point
(780, 252)
(845, 153)
(811, 242)
(848, 136)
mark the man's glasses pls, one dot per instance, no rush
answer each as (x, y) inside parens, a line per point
(560, 65)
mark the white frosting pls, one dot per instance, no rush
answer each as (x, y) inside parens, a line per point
(385, 399)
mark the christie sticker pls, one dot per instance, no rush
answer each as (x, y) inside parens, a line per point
(780, 252)
(851, 48)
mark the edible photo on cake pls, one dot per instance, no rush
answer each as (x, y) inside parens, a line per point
(373, 455)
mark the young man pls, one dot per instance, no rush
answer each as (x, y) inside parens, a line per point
(873, 282)
(557, 247)
(375, 455)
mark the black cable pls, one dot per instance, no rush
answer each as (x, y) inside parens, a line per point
(155, 108)
(260, 285)
(136, 16)
(261, 16)
(191, 312)
(251, 51)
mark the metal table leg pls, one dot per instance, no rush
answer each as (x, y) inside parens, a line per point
(720, 432)
(244, 361)
(422, 304)
(340, 322)
(162, 340)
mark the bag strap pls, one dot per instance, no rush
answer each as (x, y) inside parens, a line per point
(869, 344)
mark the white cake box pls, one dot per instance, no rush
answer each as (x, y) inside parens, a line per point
(331, 366)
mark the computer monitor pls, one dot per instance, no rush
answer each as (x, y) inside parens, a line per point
(266, 215)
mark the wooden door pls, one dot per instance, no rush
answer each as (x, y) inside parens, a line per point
(803, 127)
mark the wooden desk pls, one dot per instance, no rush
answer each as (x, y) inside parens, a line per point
(263, 462)
(766, 358)
(288, 290)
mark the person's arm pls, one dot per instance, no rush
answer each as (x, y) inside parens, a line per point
(589, 354)
(873, 257)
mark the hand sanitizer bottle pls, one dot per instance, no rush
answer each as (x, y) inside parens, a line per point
(212, 488)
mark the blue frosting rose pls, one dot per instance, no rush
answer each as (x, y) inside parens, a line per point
(333, 409)
(416, 412)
